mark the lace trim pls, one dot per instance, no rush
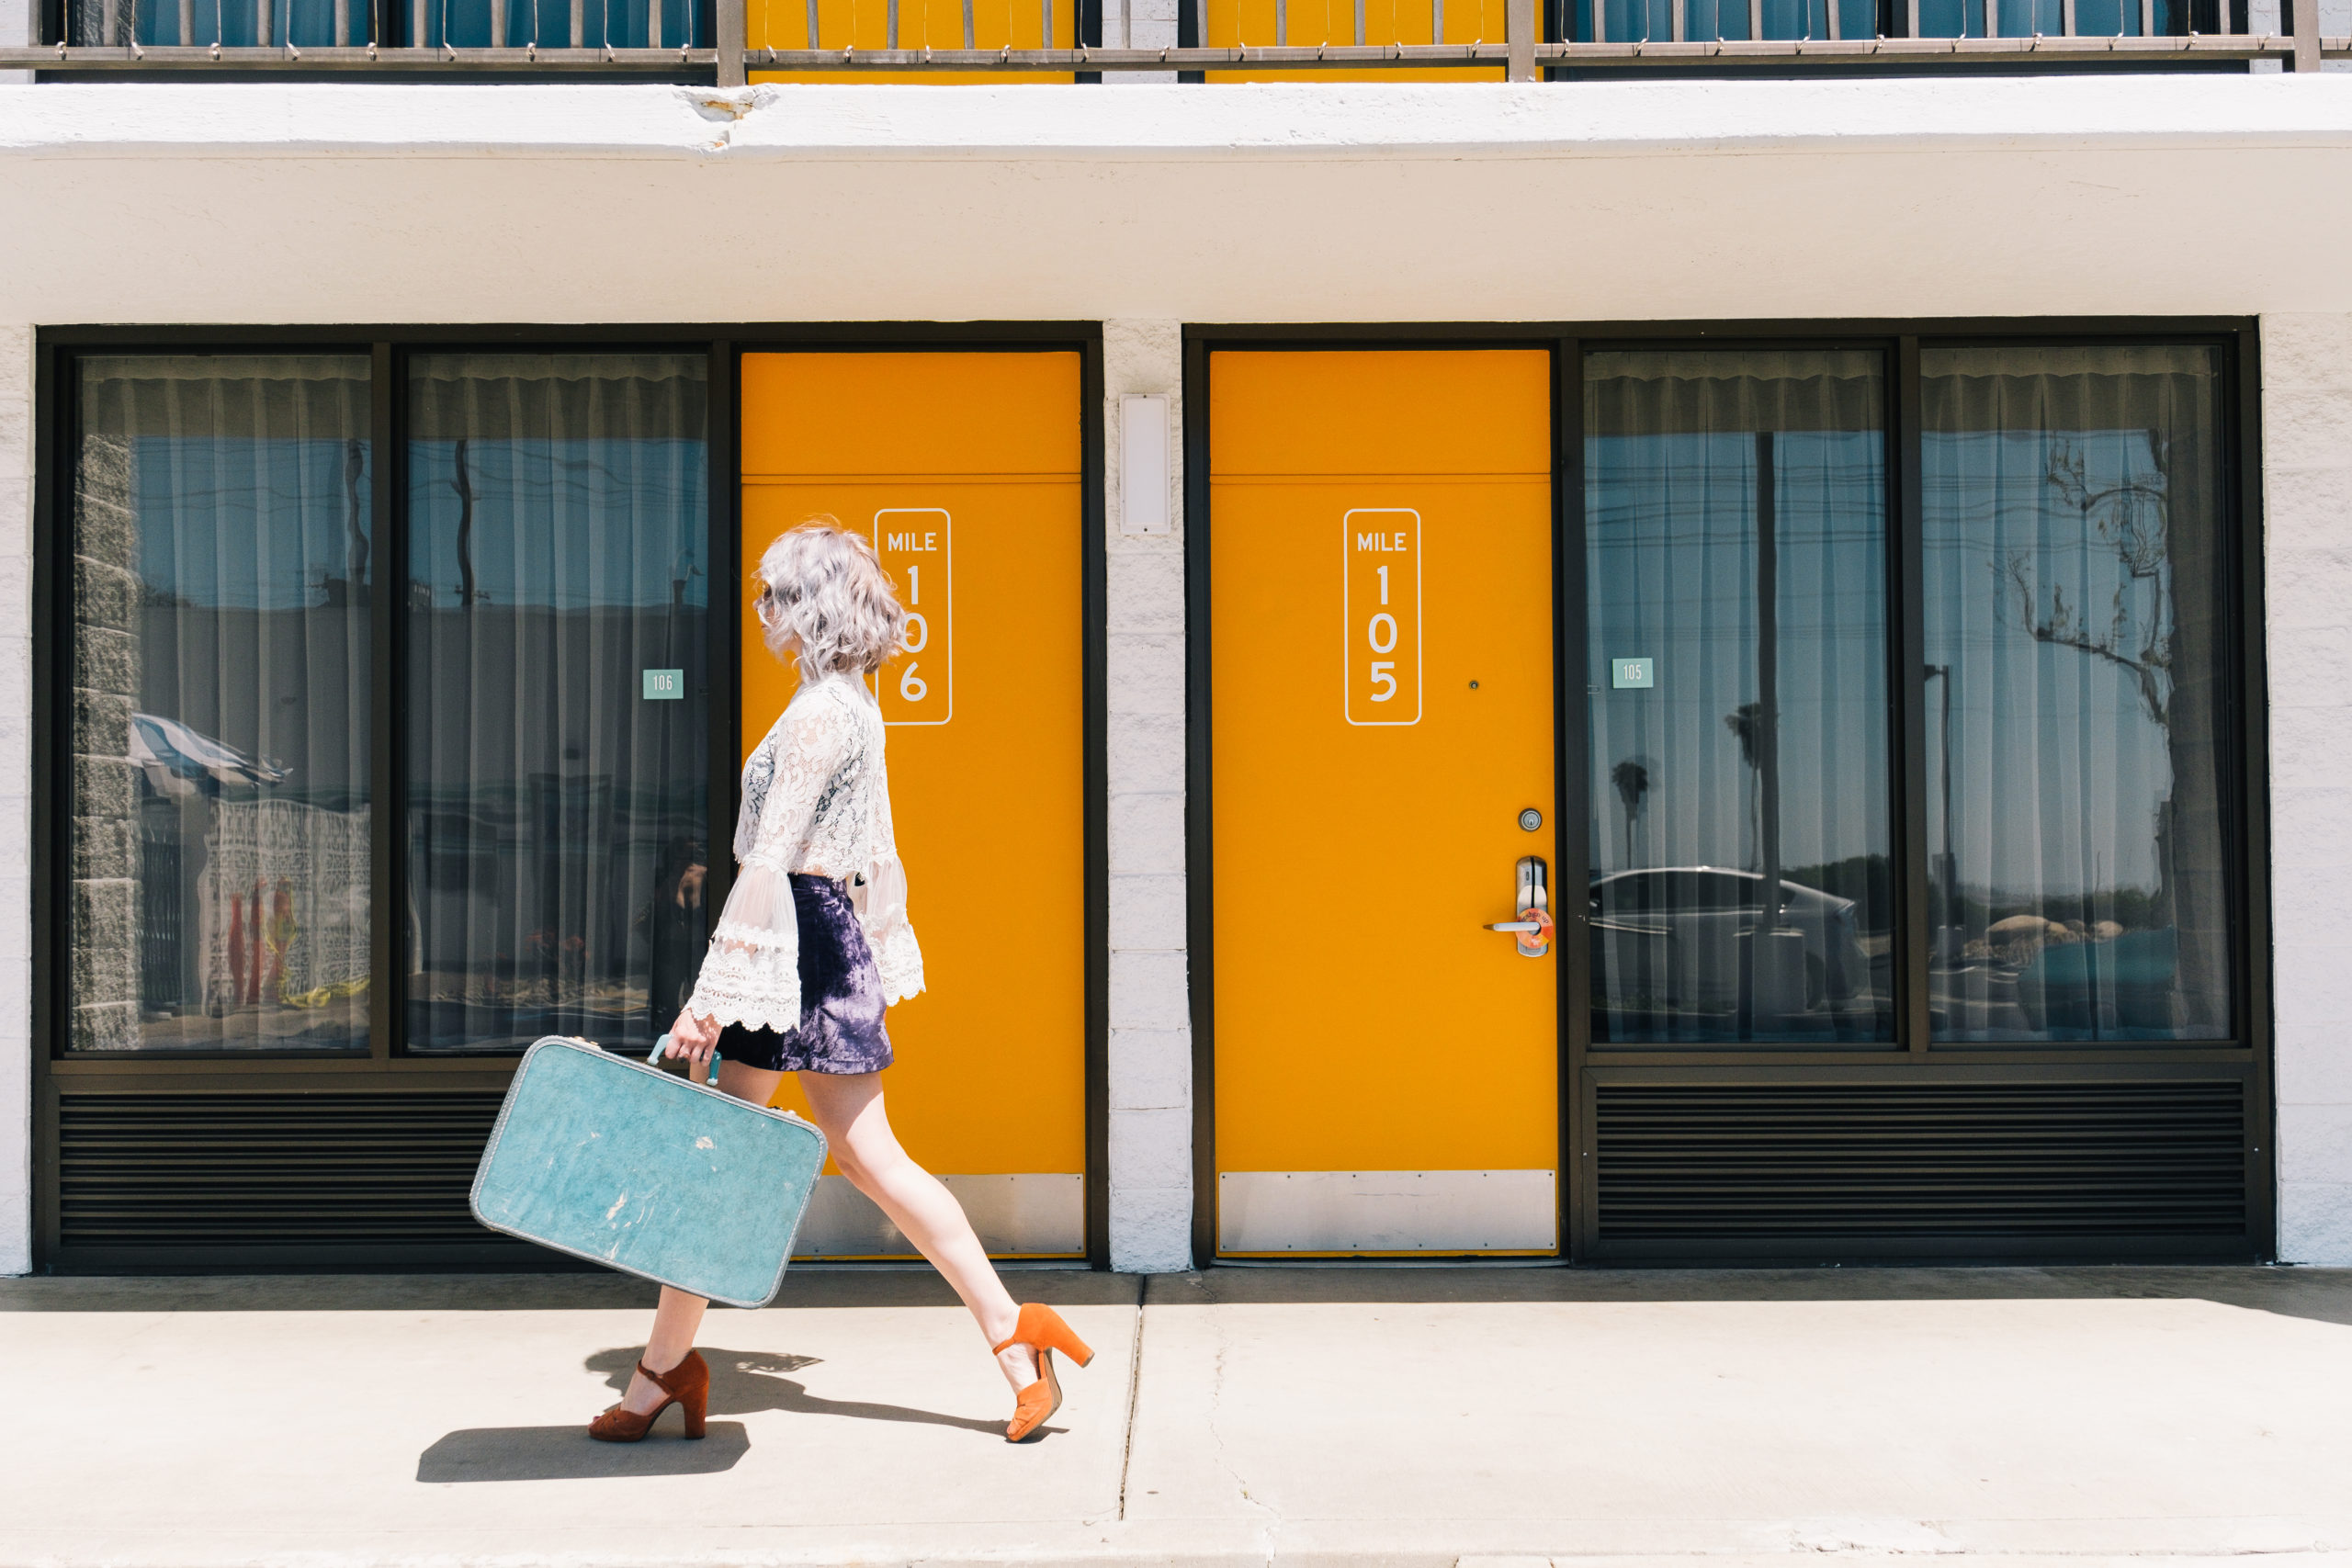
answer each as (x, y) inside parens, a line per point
(898, 959)
(757, 987)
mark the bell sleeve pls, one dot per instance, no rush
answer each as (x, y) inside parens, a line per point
(751, 973)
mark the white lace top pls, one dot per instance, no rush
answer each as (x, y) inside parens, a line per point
(816, 801)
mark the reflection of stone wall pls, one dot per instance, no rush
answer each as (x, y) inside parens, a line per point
(105, 939)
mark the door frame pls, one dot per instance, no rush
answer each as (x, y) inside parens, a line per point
(1581, 1067)
(384, 1068)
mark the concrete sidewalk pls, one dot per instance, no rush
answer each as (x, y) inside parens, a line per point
(1399, 1417)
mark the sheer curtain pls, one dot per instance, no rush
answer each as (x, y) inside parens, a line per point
(557, 695)
(2077, 592)
(1736, 540)
(222, 555)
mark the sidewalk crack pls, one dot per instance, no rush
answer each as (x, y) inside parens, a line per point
(1135, 1390)
(1270, 1533)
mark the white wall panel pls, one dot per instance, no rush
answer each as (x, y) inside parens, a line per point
(1387, 1211)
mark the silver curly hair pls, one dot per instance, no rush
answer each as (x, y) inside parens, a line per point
(824, 585)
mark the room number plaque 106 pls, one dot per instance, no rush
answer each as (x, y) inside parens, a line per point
(1380, 615)
(916, 544)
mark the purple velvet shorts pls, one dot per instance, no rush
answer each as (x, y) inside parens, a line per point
(841, 995)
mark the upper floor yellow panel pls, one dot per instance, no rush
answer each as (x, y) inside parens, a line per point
(1261, 24)
(922, 24)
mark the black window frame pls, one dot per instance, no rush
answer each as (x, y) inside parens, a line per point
(387, 1065)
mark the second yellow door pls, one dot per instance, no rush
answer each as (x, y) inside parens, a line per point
(1382, 765)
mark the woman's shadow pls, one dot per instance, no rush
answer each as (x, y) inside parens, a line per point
(741, 1381)
(744, 1381)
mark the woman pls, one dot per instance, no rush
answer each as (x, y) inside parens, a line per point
(812, 944)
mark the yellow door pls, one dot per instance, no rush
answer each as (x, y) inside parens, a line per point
(1381, 745)
(963, 469)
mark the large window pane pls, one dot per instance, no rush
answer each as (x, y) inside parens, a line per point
(1735, 557)
(557, 696)
(222, 557)
(2077, 688)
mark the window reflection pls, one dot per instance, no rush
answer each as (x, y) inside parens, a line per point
(221, 559)
(557, 593)
(2077, 689)
(1735, 538)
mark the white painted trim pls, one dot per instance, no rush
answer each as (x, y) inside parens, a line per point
(1389, 1210)
(1285, 121)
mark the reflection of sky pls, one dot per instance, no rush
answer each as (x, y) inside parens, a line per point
(566, 524)
(1672, 568)
(232, 523)
(2058, 766)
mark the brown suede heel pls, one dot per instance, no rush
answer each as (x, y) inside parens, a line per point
(688, 1387)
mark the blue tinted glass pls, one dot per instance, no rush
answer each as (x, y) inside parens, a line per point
(2077, 693)
(224, 555)
(559, 590)
(1735, 561)
(622, 23)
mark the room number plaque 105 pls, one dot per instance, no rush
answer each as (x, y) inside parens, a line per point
(1380, 615)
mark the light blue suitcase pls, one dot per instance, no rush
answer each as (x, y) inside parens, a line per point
(614, 1160)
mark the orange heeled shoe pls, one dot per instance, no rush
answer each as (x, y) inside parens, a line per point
(1041, 1329)
(687, 1384)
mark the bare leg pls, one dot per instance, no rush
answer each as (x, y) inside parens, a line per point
(849, 1110)
(678, 1317)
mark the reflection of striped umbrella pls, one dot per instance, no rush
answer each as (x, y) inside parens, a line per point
(175, 756)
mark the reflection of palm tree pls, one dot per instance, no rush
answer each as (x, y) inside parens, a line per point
(1632, 781)
(1747, 721)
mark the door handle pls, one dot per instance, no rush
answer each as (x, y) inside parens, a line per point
(1532, 896)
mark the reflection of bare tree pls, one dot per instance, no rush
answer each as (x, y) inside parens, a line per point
(354, 549)
(2131, 518)
(2158, 636)
(1632, 781)
(463, 484)
(1746, 722)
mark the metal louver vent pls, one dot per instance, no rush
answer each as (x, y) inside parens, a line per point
(332, 1170)
(1912, 1163)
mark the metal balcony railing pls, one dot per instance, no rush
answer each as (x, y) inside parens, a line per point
(731, 41)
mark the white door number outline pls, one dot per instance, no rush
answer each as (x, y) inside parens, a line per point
(917, 547)
(1368, 631)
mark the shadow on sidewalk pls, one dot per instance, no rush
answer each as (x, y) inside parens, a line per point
(569, 1453)
(743, 1382)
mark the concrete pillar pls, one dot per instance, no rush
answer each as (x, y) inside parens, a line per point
(104, 1010)
(1152, 1037)
(16, 21)
(1138, 24)
(2307, 485)
(16, 799)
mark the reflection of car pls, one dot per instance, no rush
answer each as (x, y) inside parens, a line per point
(1673, 934)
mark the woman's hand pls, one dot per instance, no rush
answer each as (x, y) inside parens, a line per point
(694, 1038)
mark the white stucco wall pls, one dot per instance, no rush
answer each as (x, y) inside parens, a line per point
(1156, 205)
(2307, 483)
